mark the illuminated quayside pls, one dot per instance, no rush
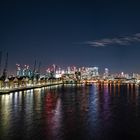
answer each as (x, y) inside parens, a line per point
(27, 79)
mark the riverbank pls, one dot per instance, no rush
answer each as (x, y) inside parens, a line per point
(9, 90)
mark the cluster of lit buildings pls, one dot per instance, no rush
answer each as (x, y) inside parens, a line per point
(23, 71)
(83, 72)
(74, 73)
(25, 76)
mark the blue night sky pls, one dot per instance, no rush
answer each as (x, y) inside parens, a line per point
(103, 33)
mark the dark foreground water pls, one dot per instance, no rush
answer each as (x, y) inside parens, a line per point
(97, 112)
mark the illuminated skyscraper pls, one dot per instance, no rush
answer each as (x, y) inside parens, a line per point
(95, 71)
(92, 71)
(106, 72)
(19, 71)
(23, 71)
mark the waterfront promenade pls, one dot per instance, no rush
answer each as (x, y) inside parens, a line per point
(17, 85)
(24, 86)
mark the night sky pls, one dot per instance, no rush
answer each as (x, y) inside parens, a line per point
(99, 33)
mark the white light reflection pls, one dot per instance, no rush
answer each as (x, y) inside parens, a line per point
(92, 108)
(15, 97)
(37, 99)
(56, 119)
(137, 90)
(5, 111)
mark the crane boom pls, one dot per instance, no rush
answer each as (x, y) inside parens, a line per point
(39, 65)
(34, 69)
(4, 75)
(0, 61)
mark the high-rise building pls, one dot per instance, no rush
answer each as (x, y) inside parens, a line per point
(106, 72)
(92, 71)
(95, 71)
(23, 71)
(19, 70)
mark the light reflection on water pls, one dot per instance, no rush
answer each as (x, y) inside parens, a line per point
(71, 112)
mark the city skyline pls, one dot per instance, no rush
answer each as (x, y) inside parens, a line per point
(82, 33)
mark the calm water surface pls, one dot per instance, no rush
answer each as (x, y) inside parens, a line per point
(97, 112)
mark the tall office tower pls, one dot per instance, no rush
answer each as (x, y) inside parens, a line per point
(19, 71)
(106, 74)
(95, 71)
(68, 70)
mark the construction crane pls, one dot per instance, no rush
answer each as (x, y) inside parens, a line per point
(39, 65)
(0, 61)
(34, 69)
(4, 75)
(38, 71)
